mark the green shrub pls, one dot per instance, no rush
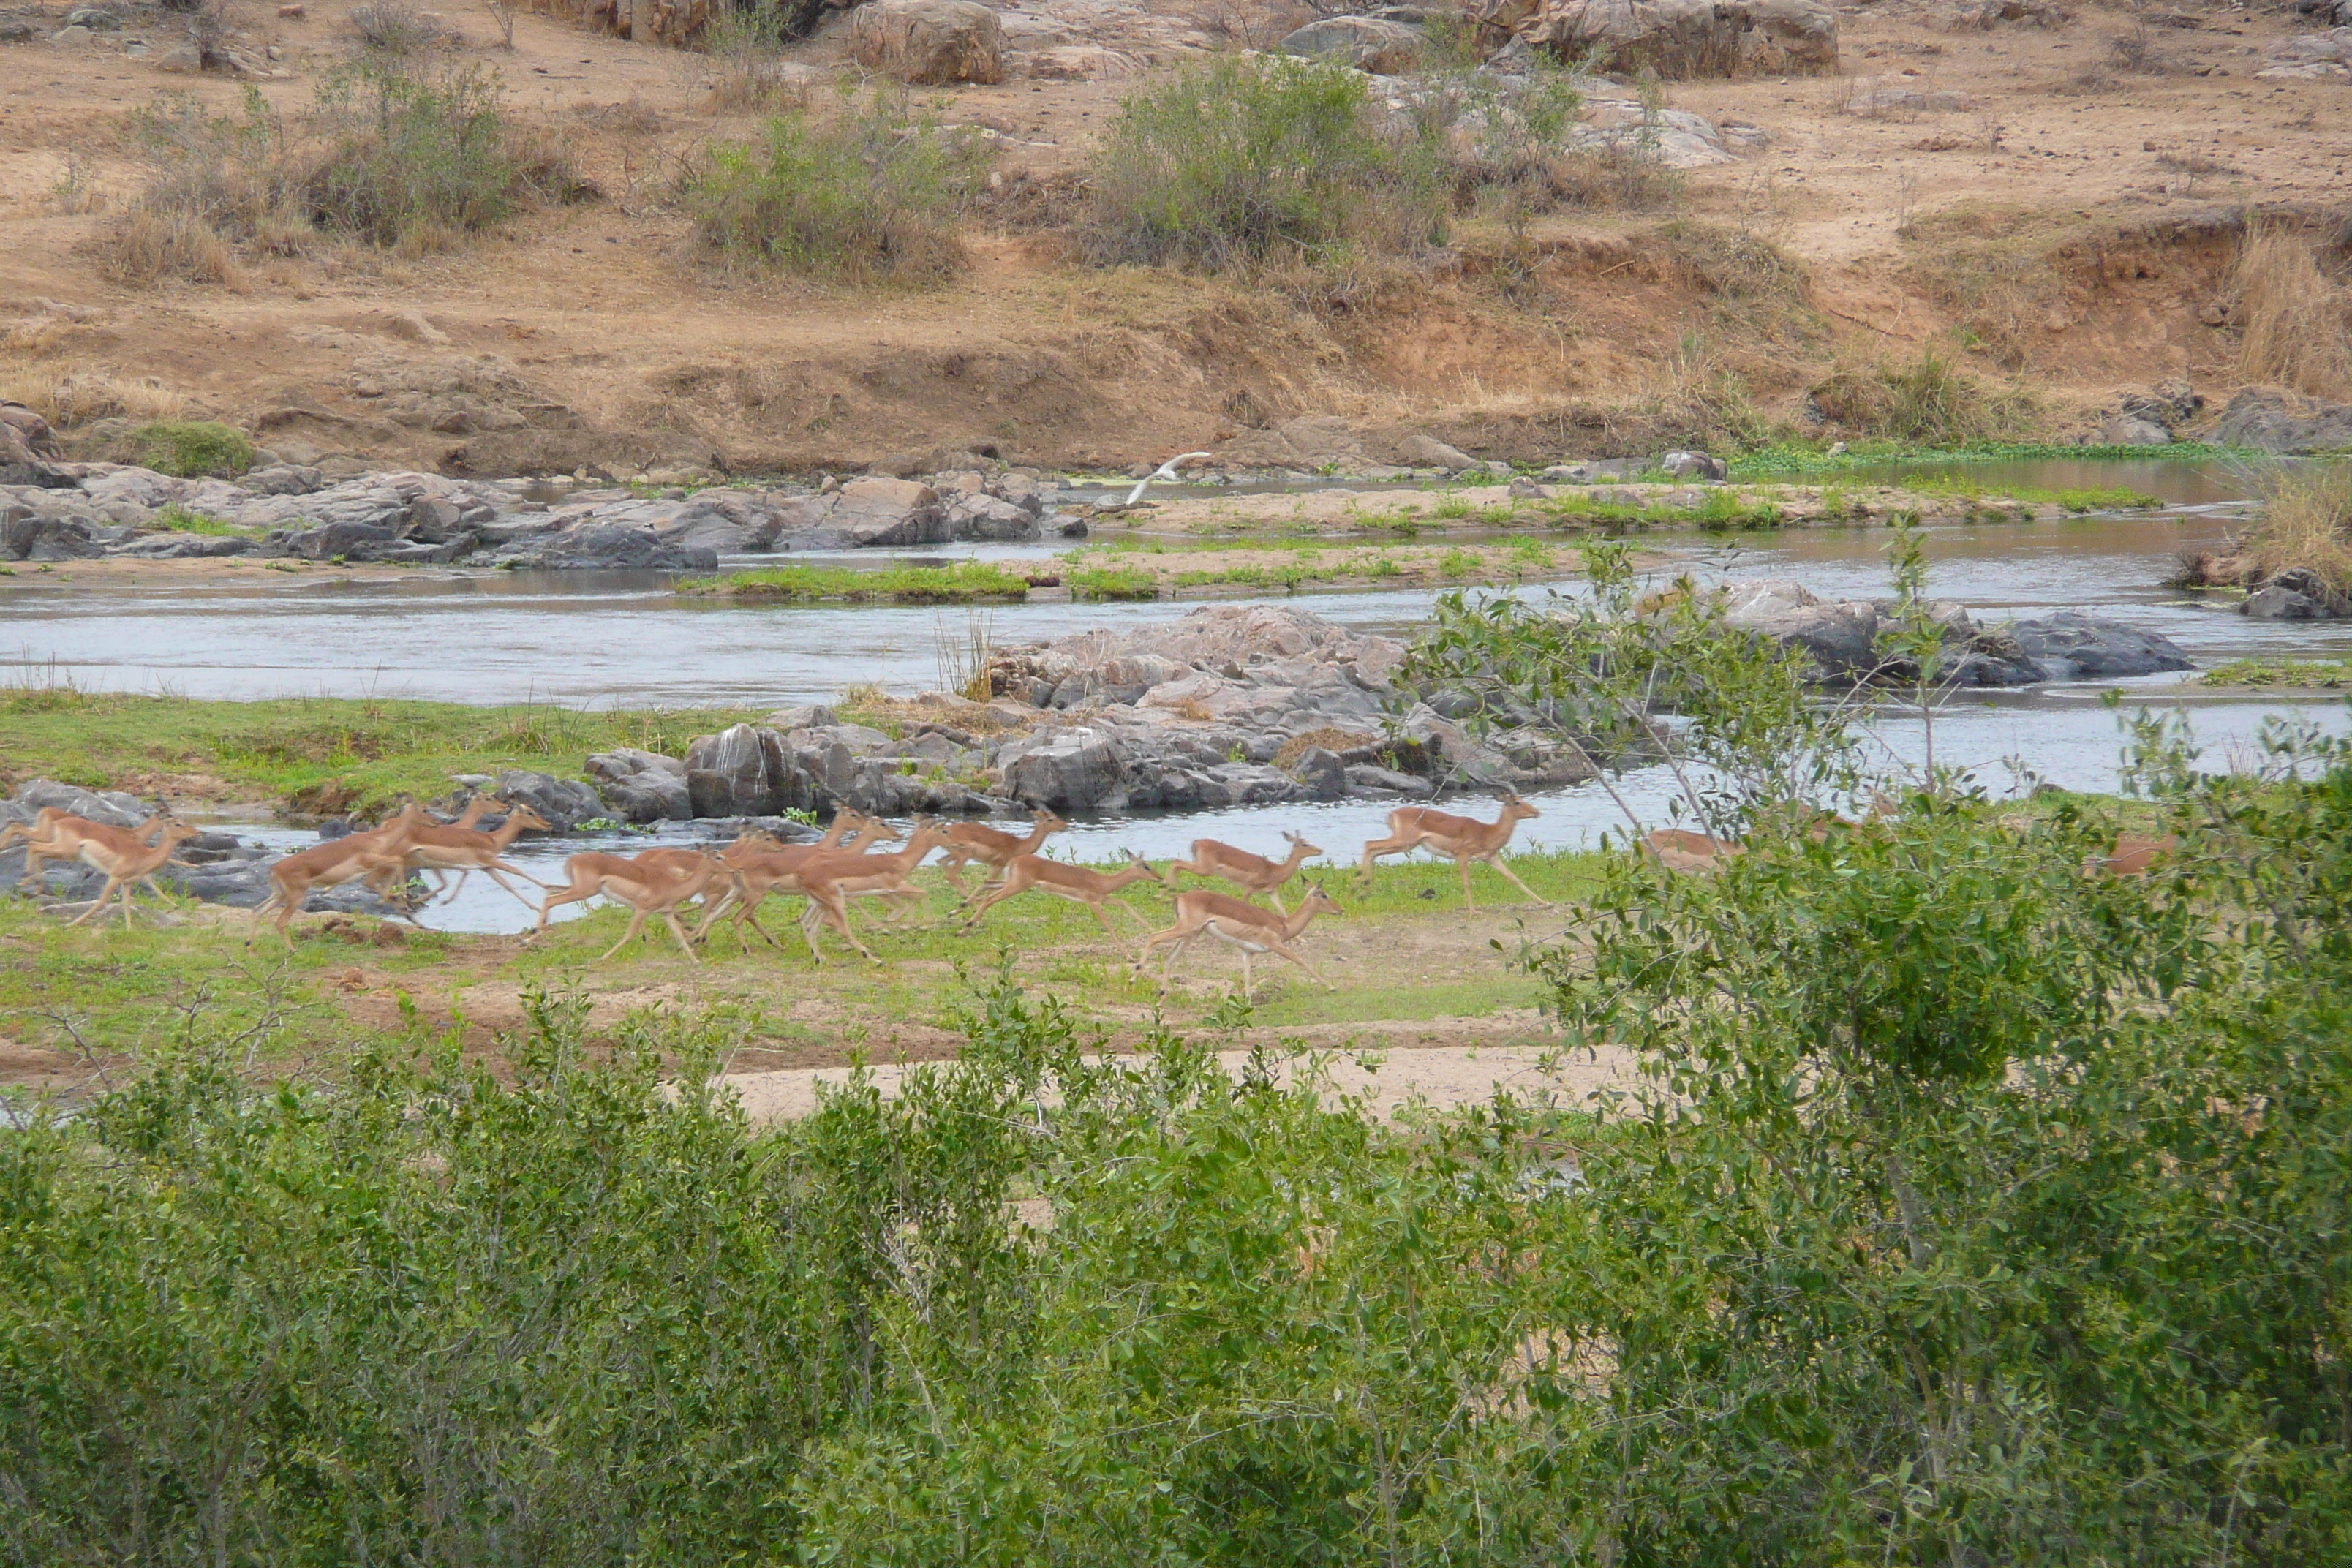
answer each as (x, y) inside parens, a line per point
(868, 195)
(1245, 163)
(420, 159)
(193, 448)
(967, 582)
(1930, 401)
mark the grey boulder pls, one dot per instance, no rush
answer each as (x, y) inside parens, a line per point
(564, 802)
(1367, 43)
(1695, 465)
(2071, 645)
(2278, 421)
(26, 535)
(1073, 769)
(112, 807)
(2128, 430)
(742, 771)
(2296, 594)
(641, 786)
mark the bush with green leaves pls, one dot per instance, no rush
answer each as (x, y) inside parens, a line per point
(193, 449)
(1244, 162)
(867, 194)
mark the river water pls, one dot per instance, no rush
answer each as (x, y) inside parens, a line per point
(599, 639)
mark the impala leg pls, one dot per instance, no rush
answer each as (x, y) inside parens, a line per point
(1468, 902)
(985, 904)
(1152, 939)
(111, 883)
(1247, 983)
(1102, 919)
(1275, 894)
(1498, 863)
(449, 890)
(836, 912)
(680, 931)
(511, 869)
(492, 874)
(1300, 960)
(575, 894)
(950, 869)
(637, 924)
(1168, 966)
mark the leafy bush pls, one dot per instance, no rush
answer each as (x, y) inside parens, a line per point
(1245, 163)
(420, 159)
(1930, 401)
(193, 448)
(868, 195)
(398, 155)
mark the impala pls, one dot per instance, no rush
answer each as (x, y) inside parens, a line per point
(1679, 850)
(375, 854)
(969, 841)
(431, 848)
(653, 883)
(1463, 838)
(125, 858)
(755, 870)
(1240, 924)
(1076, 883)
(1252, 873)
(57, 834)
(829, 881)
(2134, 856)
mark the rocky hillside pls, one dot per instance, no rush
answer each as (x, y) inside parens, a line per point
(2049, 199)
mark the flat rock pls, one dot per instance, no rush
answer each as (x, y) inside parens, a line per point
(2277, 421)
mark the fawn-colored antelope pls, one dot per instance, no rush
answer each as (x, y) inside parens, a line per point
(374, 855)
(1680, 850)
(1463, 838)
(831, 880)
(2134, 856)
(756, 868)
(125, 858)
(57, 834)
(430, 847)
(1077, 883)
(1251, 873)
(1239, 924)
(993, 847)
(653, 883)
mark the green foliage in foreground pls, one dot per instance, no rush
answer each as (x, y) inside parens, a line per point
(370, 752)
(1971, 1210)
(965, 583)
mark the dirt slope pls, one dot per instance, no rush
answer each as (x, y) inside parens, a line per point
(2071, 213)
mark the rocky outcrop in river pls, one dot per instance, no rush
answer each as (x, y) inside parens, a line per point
(1843, 638)
(78, 512)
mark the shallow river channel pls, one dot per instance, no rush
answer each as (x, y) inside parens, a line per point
(600, 639)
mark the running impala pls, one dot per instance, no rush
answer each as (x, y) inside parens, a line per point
(1251, 873)
(1463, 838)
(1239, 924)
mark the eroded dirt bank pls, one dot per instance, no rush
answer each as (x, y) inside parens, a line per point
(2054, 198)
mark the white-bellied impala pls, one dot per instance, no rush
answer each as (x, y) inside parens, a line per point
(653, 883)
(1239, 924)
(993, 847)
(831, 880)
(57, 834)
(430, 847)
(375, 854)
(1463, 838)
(1680, 850)
(125, 858)
(1251, 873)
(1077, 883)
(757, 869)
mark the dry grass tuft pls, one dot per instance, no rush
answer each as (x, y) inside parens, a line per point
(2292, 316)
(67, 396)
(2307, 522)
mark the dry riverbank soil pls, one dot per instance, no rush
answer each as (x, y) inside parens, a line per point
(2057, 199)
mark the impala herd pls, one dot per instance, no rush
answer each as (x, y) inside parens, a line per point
(851, 861)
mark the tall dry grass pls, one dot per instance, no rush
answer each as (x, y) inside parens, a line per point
(2307, 522)
(68, 395)
(2295, 325)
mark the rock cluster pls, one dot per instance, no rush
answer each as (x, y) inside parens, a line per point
(1231, 705)
(928, 42)
(82, 510)
(2315, 57)
(2279, 421)
(1676, 38)
(1843, 639)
